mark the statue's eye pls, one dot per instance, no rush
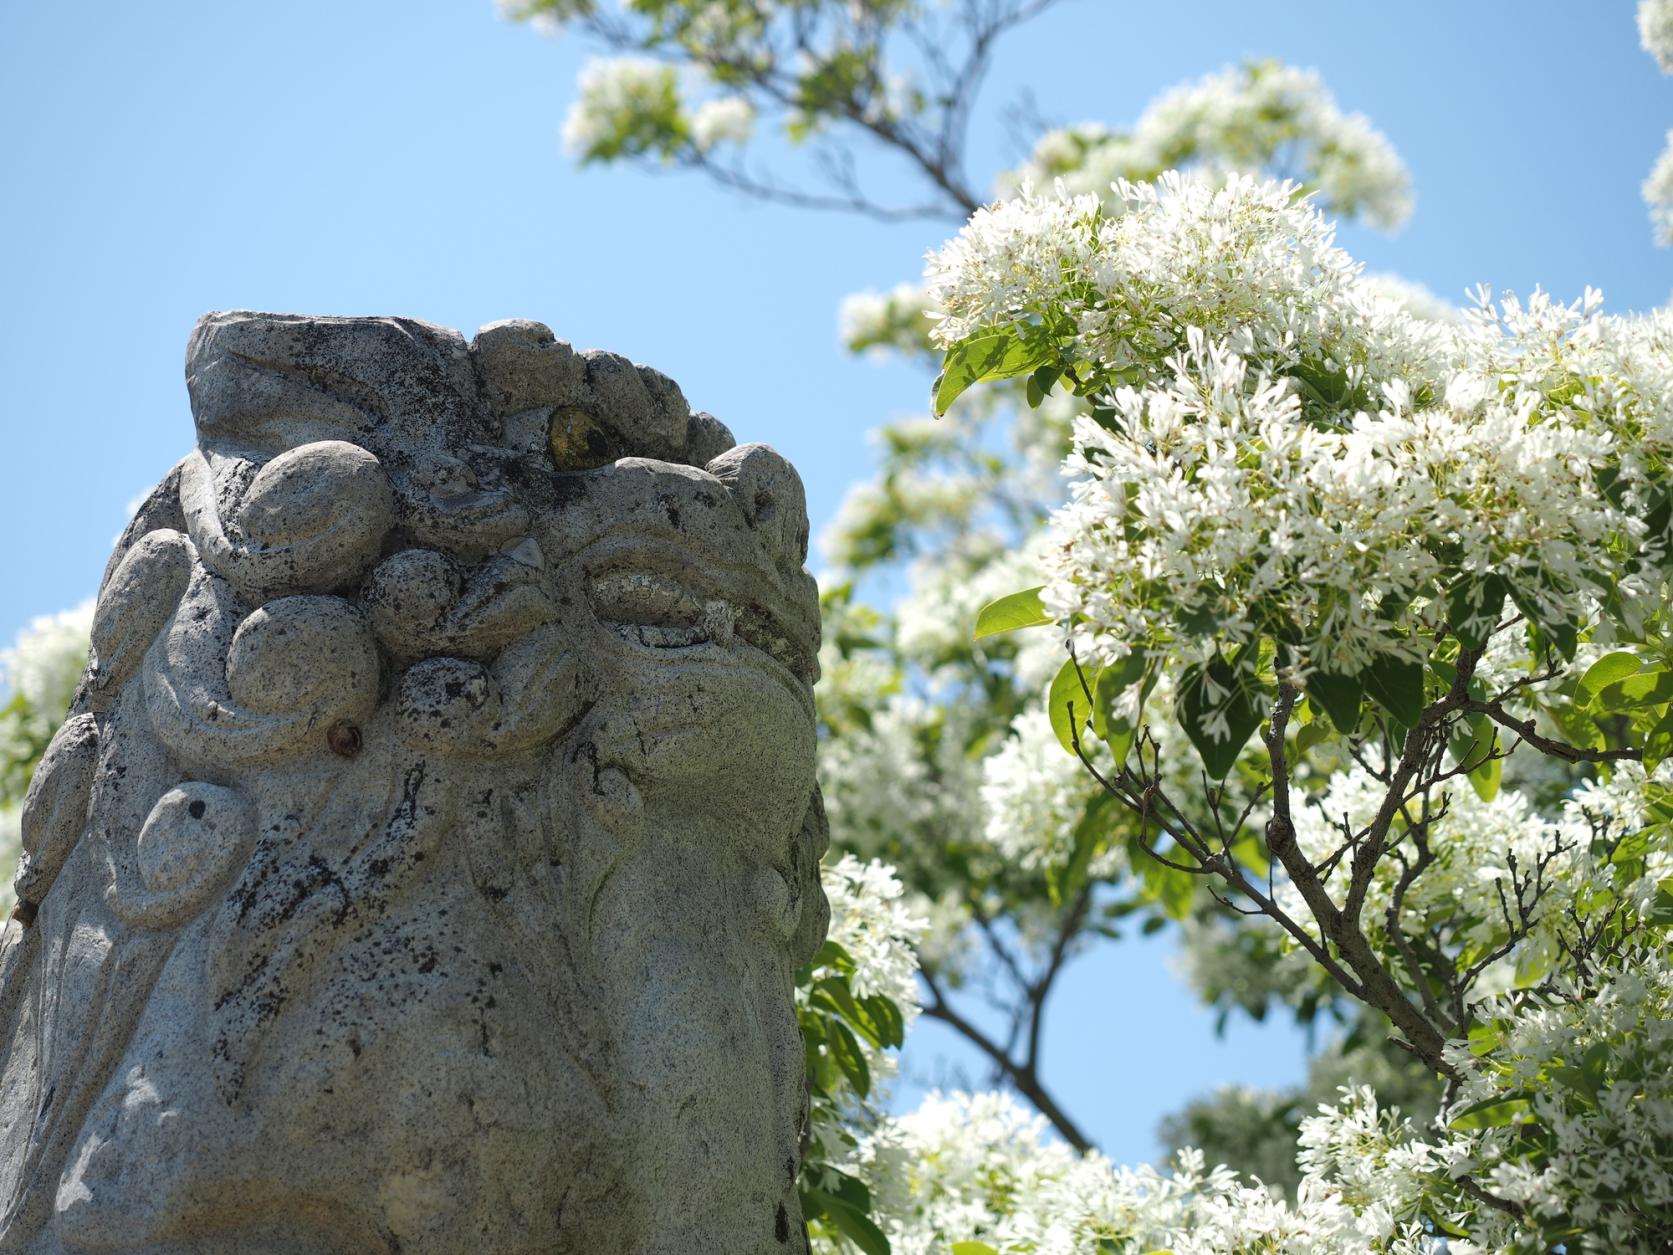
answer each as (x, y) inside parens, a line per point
(578, 441)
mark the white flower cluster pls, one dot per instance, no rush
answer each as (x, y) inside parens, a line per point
(874, 322)
(1658, 194)
(1246, 120)
(904, 777)
(880, 933)
(871, 507)
(871, 920)
(45, 662)
(1035, 797)
(40, 672)
(1655, 31)
(1287, 445)
(1589, 1071)
(935, 617)
(1011, 258)
(619, 96)
(976, 1167)
(633, 105)
(724, 119)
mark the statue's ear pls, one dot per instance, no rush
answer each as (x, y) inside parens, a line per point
(811, 842)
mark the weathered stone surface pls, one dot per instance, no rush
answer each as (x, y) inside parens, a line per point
(426, 860)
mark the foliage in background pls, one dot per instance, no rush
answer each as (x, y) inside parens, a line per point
(1373, 556)
(940, 755)
(1655, 32)
(38, 677)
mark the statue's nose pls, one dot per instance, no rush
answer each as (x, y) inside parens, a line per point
(769, 492)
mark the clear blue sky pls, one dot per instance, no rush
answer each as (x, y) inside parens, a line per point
(368, 156)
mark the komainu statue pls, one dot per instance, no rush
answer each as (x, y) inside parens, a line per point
(427, 856)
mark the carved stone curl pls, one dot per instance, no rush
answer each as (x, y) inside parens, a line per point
(426, 860)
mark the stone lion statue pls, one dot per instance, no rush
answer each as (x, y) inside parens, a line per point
(427, 856)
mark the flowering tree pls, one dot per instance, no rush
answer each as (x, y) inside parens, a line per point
(1384, 555)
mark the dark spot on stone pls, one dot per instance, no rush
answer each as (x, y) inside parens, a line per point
(24, 912)
(781, 1224)
(196, 808)
(344, 738)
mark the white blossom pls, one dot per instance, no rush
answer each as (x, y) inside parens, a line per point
(725, 119)
(873, 322)
(976, 1167)
(872, 921)
(1658, 194)
(617, 95)
(1010, 257)
(39, 672)
(1230, 489)
(1035, 797)
(46, 659)
(1655, 31)
(1238, 120)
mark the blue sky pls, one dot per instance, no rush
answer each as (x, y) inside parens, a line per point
(380, 157)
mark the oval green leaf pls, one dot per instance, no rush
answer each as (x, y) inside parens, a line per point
(1010, 612)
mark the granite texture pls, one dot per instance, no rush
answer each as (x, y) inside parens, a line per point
(427, 856)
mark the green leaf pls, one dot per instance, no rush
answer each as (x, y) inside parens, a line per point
(1396, 684)
(1658, 745)
(1311, 734)
(1485, 779)
(1473, 608)
(886, 1015)
(1472, 746)
(1219, 694)
(1014, 610)
(1249, 851)
(999, 354)
(1563, 636)
(1493, 1113)
(841, 999)
(1088, 834)
(973, 1248)
(1607, 670)
(851, 1222)
(1652, 686)
(1040, 384)
(1486, 1038)
(1113, 683)
(832, 955)
(1340, 696)
(850, 1058)
(1068, 691)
